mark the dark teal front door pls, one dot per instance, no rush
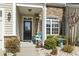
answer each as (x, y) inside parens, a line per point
(27, 30)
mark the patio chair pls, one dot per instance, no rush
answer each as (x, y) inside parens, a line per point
(38, 38)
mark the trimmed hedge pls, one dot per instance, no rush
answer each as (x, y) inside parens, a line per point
(51, 42)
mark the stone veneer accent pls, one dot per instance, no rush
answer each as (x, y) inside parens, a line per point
(55, 12)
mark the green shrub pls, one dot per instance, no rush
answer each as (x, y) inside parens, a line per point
(50, 36)
(68, 48)
(51, 42)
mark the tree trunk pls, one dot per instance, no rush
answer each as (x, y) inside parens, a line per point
(72, 35)
(75, 31)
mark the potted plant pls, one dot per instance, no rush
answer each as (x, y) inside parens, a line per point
(54, 51)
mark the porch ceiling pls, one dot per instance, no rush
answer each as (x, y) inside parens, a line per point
(25, 10)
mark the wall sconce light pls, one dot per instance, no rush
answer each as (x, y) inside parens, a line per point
(9, 16)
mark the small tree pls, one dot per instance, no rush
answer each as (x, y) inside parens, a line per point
(72, 18)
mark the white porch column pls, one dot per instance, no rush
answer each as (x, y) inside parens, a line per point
(14, 19)
(44, 24)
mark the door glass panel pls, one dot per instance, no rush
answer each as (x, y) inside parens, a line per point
(27, 26)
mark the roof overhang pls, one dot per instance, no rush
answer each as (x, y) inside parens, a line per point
(56, 4)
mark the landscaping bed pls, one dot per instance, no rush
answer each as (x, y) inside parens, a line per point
(45, 52)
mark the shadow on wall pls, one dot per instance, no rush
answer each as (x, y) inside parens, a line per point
(62, 24)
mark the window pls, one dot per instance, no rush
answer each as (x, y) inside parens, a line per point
(48, 25)
(52, 26)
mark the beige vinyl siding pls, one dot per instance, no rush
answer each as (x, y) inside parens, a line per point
(8, 26)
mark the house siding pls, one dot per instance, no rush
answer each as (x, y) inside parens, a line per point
(8, 25)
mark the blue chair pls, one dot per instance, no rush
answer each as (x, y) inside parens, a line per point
(38, 36)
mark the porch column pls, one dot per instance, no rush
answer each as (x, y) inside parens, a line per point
(14, 19)
(44, 24)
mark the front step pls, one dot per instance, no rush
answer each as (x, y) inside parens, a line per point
(25, 44)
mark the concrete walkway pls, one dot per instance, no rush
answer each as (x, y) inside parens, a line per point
(28, 49)
(1, 52)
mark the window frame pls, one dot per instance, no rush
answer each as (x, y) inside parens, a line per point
(52, 20)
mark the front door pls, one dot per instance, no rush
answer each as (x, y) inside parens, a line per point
(27, 30)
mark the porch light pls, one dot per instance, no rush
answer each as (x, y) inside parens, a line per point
(9, 16)
(29, 10)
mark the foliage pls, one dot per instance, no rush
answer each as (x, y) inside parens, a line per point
(68, 48)
(50, 36)
(51, 42)
(12, 45)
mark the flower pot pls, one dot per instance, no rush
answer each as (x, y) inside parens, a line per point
(39, 44)
(54, 52)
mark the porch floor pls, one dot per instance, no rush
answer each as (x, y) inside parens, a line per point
(28, 49)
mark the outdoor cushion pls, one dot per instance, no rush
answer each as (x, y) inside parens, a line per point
(38, 36)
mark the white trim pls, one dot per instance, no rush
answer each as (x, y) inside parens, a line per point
(50, 27)
(26, 5)
(23, 25)
(14, 19)
(3, 28)
(44, 23)
(72, 5)
(53, 20)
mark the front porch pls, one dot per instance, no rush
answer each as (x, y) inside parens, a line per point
(30, 20)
